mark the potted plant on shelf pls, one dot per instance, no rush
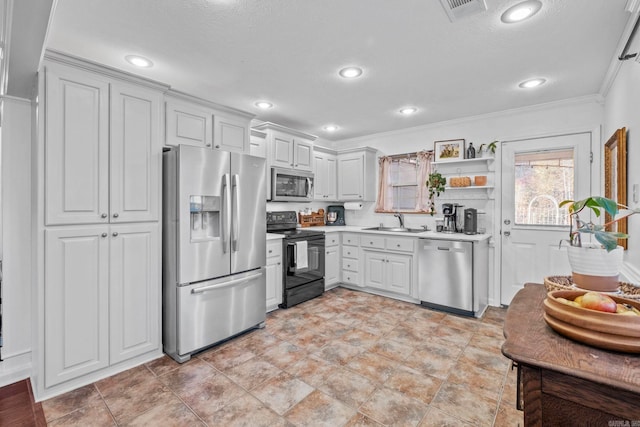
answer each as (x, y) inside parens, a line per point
(435, 184)
(487, 148)
(596, 266)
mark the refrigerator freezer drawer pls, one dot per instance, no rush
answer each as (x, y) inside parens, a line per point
(214, 310)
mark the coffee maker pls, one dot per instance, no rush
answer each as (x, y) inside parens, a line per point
(449, 212)
(335, 215)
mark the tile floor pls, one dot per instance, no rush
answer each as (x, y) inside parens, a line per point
(344, 359)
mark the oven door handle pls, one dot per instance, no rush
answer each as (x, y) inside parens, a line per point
(294, 261)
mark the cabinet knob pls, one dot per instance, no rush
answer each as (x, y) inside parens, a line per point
(208, 145)
(104, 235)
(371, 243)
(270, 250)
(278, 263)
(398, 245)
(104, 215)
(292, 164)
(116, 215)
(217, 146)
(296, 165)
(115, 234)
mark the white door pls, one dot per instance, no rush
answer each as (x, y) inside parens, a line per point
(537, 174)
(136, 153)
(76, 302)
(134, 300)
(77, 147)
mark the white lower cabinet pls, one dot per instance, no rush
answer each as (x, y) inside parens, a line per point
(331, 260)
(387, 271)
(101, 298)
(350, 251)
(274, 274)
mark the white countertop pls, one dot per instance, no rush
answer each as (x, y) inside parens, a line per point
(274, 236)
(423, 235)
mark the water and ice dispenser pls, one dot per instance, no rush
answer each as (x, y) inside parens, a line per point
(205, 217)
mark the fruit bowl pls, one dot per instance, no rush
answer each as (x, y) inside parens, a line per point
(611, 331)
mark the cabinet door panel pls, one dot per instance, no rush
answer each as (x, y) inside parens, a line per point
(350, 176)
(320, 173)
(134, 290)
(331, 189)
(375, 267)
(76, 147)
(303, 155)
(136, 154)
(231, 134)
(331, 266)
(399, 273)
(76, 302)
(188, 124)
(282, 151)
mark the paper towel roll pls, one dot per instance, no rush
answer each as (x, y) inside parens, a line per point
(353, 206)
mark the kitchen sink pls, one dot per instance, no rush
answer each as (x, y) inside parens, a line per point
(397, 229)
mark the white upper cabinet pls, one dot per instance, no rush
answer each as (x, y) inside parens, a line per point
(192, 121)
(136, 153)
(325, 171)
(188, 124)
(357, 175)
(76, 146)
(288, 148)
(258, 144)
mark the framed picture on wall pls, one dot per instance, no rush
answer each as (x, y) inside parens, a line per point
(451, 149)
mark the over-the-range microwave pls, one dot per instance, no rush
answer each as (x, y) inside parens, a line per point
(290, 185)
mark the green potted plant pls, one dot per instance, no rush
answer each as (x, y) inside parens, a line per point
(435, 184)
(487, 148)
(596, 266)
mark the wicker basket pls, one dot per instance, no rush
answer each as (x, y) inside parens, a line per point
(564, 283)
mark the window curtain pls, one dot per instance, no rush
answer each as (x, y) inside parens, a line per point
(423, 204)
(385, 200)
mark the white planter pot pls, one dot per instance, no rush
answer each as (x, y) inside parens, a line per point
(594, 268)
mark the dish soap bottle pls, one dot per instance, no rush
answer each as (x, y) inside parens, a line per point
(471, 152)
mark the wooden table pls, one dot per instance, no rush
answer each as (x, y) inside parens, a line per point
(563, 382)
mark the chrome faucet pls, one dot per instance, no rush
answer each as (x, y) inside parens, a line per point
(400, 218)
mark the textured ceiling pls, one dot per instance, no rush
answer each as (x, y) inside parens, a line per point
(236, 52)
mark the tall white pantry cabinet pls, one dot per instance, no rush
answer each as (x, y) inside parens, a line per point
(98, 276)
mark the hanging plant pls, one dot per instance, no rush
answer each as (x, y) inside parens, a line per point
(435, 184)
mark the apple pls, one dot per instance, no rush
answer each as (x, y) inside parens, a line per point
(568, 302)
(598, 301)
(627, 309)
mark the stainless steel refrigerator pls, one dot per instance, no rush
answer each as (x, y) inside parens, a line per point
(214, 247)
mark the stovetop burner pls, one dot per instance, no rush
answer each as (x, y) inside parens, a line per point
(285, 222)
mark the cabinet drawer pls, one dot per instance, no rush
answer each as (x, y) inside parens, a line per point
(372, 241)
(274, 250)
(351, 264)
(331, 239)
(350, 252)
(400, 244)
(350, 239)
(351, 277)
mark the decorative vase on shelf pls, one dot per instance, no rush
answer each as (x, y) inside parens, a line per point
(471, 152)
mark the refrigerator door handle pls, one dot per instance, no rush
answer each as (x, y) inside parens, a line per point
(235, 219)
(226, 284)
(225, 212)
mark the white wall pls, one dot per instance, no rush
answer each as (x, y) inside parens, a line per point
(16, 240)
(622, 104)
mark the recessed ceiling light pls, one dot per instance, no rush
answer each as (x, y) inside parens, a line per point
(521, 11)
(330, 128)
(407, 111)
(265, 105)
(528, 84)
(139, 61)
(350, 72)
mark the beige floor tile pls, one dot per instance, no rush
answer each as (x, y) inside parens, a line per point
(114, 385)
(486, 359)
(373, 366)
(359, 338)
(258, 340)
(437, 418)
(64, 404)
(95, 413)
(312, 370)
(212, 394)
(338, 352)
(485, 382)
(509, 416)
(282, 392)
(453, 335)
(310, 340)
(391, 407)
(406, 334)
(392, 349)
(487, 343)
(414, 384)
(227, 356)
(162, 365)
(246, 411)
(434, 359)
(361, 420)
(510, 389)
(466, 404)
(348, 387)
(137, 399)
(320, 410)
(431, 315)
(283, 354)
(175, 414)
(187, 375)
(252, 373)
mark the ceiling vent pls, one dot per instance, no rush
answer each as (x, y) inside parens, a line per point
(457, 9)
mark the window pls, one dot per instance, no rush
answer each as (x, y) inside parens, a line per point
(542, 180)
(402, 182)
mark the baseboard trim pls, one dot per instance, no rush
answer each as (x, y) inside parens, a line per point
(15, 368)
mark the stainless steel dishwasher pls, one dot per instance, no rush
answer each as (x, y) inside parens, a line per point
(453, 275)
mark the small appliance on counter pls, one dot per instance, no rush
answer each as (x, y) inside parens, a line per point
(335, 215)
(470, 221)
